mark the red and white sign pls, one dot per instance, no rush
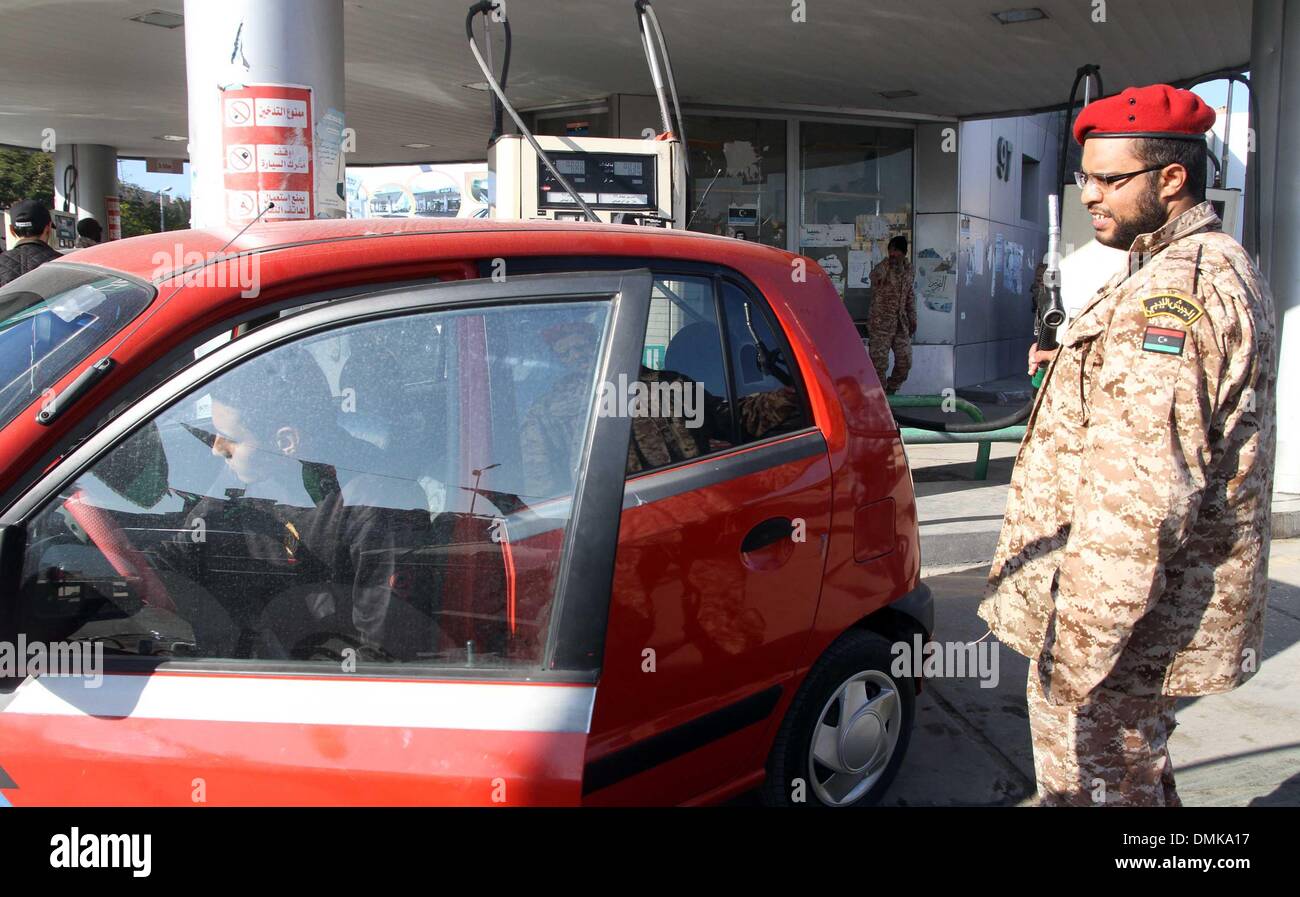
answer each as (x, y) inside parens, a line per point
(113, 212)
(267, 148)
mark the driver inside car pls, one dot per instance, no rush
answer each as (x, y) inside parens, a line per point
(306, 545)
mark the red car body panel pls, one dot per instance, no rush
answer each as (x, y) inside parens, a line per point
(748, 642)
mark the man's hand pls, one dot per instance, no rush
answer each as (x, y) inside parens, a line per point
(1037, 357)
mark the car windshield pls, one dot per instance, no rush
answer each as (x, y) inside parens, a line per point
(51, 319)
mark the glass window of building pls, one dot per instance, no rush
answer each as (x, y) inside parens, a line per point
(738, 171)
(856, 194)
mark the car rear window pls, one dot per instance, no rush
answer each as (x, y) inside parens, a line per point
(51, 319)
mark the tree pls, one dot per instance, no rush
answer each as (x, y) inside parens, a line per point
(140, 211)
(26, 174)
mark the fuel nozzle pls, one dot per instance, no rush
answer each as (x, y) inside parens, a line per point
(1051, 311)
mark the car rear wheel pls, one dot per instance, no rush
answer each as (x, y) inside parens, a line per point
(846, 732)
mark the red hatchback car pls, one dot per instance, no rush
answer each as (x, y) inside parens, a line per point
(448, 512)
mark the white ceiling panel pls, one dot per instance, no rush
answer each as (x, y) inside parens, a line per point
(81, 67)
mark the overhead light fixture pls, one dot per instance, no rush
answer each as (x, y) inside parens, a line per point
(160, 18)
(478, 85)
(172, 138)
(417, 145)
(1016, 16)
(898, 94)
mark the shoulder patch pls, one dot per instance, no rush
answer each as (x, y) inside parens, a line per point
(1163, 340)
(1184, 308)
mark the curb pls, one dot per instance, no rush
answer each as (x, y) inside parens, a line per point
(960, 549)
(1286, 519)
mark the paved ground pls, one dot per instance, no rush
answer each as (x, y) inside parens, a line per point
(971, 745)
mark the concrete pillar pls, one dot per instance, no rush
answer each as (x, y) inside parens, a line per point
(1275, 70)
(236, 43)
(95, 178)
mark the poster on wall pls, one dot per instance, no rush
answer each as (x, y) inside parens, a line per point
(936, 278)
(1015, 266)
(998, 253)
(833, 260)
(825, 234)
(860, 265)
(267, 137)
(331, 199)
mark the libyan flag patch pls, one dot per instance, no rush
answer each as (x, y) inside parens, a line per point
(1162, 339)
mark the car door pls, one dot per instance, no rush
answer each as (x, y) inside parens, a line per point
(263, 585)
(720, 554)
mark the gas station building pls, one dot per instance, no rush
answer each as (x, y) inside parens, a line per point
(824, 127)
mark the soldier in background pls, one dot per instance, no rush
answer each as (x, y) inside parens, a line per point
(1131, 568)
(891, 323)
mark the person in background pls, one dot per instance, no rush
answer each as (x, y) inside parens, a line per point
(891, 323)
(29, 222)
(89, 233)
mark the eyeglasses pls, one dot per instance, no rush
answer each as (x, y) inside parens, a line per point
(1104, 182)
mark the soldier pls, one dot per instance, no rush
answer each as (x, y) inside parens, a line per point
(1131, 568)
(891, 323)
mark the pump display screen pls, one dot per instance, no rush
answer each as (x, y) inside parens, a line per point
(603, 180)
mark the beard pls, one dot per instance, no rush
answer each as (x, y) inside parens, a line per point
(1149, 216)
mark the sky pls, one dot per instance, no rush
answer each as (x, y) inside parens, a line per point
(1216, 94)
(132, 171)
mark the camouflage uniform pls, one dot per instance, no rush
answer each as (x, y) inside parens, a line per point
(1132, 562)
(891, 322)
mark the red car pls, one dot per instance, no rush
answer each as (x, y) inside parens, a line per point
(447, 512)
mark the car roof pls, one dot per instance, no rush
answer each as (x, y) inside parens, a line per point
(156, 257)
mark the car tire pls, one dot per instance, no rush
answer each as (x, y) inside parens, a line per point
(866, 730)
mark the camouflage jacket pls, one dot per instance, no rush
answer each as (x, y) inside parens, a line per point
(1134, 550)
(893, 297)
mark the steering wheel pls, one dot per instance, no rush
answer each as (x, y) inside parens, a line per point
(108, 537)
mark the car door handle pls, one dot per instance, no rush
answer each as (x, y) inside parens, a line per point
(770, 531)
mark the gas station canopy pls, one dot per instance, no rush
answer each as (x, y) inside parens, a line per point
(93, 73)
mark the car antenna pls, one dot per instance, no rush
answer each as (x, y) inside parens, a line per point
(484, 8)
(56, 404)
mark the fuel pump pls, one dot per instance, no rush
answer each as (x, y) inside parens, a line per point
(601, 179)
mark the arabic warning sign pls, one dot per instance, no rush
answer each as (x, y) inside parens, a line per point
(267, 146)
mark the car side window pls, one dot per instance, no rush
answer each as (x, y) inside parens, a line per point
(679, 409)
(393, 491)
(768, 401)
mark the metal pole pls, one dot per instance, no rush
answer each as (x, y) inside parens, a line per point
(96, 179)
(1227, 138)
(1275, 67)
(275, 42)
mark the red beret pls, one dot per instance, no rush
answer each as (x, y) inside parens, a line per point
(1157, 110)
